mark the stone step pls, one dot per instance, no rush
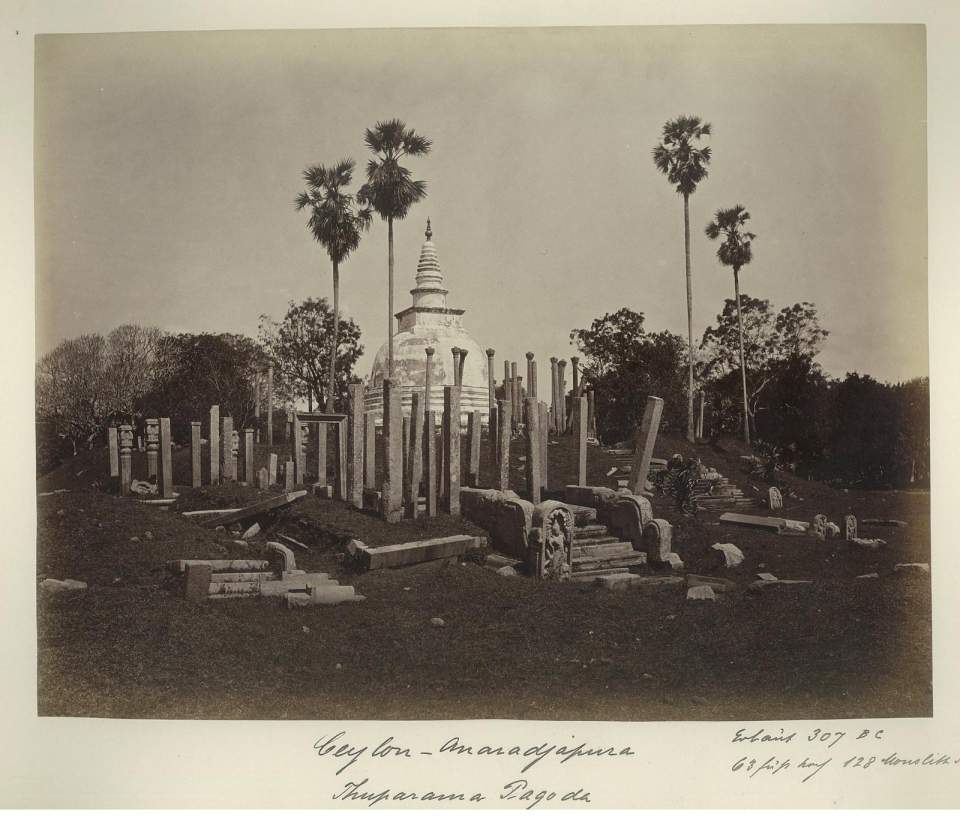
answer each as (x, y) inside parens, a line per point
(582, 515)
(591, 575)
(588, 531)
(603, 551)
(595, 540)
(586, 563)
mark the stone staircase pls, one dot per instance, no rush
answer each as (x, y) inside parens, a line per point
(597, 552)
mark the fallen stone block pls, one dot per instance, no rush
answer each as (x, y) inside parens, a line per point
(138, 486)
(873, 544)
(58, 491)
(211, 512)
(674, 560)
(61, 585)
(291, 541)
(181, 565)
(921, 567)
(272, 503)
(701, 592)
(868, 576)
(196, 586)
(719, 584)
(289, 561)
(411, 553)
(795, 525)
(771, 523)
(272, 587)
(732, 555)
(507, 570)
(832, 530)
(323, 595)
(252, 531)
(623, 581)
(887, 523)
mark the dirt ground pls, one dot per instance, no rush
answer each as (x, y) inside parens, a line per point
(132, 646)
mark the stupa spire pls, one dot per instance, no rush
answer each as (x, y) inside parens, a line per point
(429, 276)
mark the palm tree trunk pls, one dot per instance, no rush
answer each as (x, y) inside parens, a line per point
(390, 298)
(335, 342)
(743, 364)
(686, 245)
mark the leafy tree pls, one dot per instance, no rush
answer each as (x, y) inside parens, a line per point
(132, 367)
(71, 390)
(624, 364)
(685, 165)
(336, 224)
(735, 251)
(391, 191)
(300, 349)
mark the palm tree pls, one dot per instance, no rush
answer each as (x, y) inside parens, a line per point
(736, 252)
(391, 191)
(685, 165)
(336, 223)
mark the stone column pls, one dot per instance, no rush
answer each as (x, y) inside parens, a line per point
(507, 384)
(580, 417)
(451, 449)
(214, 452)
(370, 451)
(234, 454)
(463, 360)
(531, 376)
(430, 443)
(574, 361)
(226, 443)
(456, 365)
(544, 442)
(491, 386)
(270, 404)
(355, 470)
(322, 430)
(391, 498)
(153, 447)
(248, 455)
(554, 390)
(166, 460)
(562, 397)
(414, 473)
(126, 469)
(473, 444)
(514, 395)
(272, 464)
(296, 449)
(288, 429)
(114, 447)
(257, 382)
(518, 398)
(428, 380)
(645, 442)
(503, 409)
(405, 459)
(591, 413)
(493, 434)
(288, 476)
(196, 478)
(533, 450)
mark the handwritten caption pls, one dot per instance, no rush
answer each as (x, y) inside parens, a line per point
(520, 790)
(812, 751)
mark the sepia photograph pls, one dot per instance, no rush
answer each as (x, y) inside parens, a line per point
(541, 374)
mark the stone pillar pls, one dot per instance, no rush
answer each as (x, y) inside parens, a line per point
(562, 397)
(263, 479)
(493, 434)
(391, 498)
(414, 472)
(580, 417)
(456, 365)
(288, 428)
(554, 390)
(503, 409)
(370, 451)
(322, 455)
(165, 477)
(126, 469)
(296, 449)
(272, 468)
(463, 360)
(153, 447)
(544, 441)
(257, 381)
(234, 454)
(288, 476)
(428, 380)
(531, 377)
(226, 446)
(248, 456)
(355, 470)
(574, 361)
(451, 449)
(491, 386)
(645, 442)
(214, 445)
(473, 444)
(506, 377)
(430, 442)
(514, 395)
(591, 413)
(270, 404)
(196, 478)
(518, 398)
(114, 446)
(533, 450)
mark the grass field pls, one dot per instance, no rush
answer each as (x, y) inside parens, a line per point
(132, 646)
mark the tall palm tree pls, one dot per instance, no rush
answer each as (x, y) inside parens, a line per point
(336, 223)
(685, 165)
(735, 251)
(391, 191)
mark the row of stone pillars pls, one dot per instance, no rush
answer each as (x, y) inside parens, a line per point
(159, 455)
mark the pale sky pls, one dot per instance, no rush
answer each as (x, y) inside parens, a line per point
(167, 166)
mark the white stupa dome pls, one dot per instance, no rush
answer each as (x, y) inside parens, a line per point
(429, 322)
